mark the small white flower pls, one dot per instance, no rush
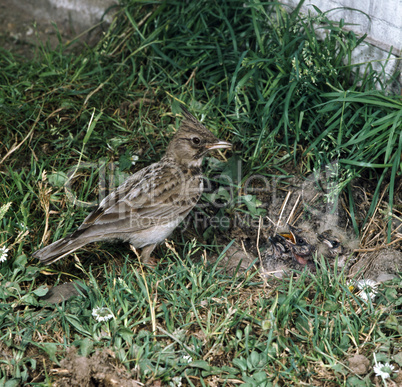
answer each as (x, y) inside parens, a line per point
(368, 289)
(3, 254)
(134, 159)
(361, 284)
(187, 359)
(102, 314)
(383, 370)
(175, 382)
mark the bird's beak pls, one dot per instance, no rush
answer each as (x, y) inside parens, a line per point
(219, 145)
(288, 237)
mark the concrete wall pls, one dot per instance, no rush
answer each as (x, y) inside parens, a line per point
(381, 20)
(84, 12)
(24, 23)
(79, 14)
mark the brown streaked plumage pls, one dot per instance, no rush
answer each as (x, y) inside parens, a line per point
(150, 204)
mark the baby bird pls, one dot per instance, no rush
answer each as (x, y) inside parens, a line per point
(151, 203)
(277, 260)
(290, 251)
(331, 247)
(301, 250)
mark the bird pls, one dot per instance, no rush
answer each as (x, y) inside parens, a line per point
(290, 251)
(151, 203)
(278, 259)
(332, 247)
(302, 251)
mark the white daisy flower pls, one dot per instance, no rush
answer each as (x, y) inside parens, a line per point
(3, 254)
(368, 289)
(134, 159)
(383, 370)
(175, 382)
(102, 314)
(187, 359)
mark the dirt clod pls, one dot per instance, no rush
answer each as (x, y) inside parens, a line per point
(379, 265)
(359, 364)
(100, 369)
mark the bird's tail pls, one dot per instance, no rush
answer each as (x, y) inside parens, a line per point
(59, 249)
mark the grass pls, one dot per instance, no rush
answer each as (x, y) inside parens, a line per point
(259, 77)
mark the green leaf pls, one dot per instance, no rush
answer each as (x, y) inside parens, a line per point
(57, 179)
(240, 363)
(85, 346)
(125, 333)
(50, 349)
(21, 260)
(41, 291)
(398, 358)
(201, 364)
(76, 323)
(92, 124)
(331, 306)
(14, 382)
(339, 368)
(382, 357)
(391, 322)
(28, 299)
(252, 204)
(125, 161)
(255, 360)
(355, 381)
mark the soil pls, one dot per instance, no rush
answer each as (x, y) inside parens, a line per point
(99, 369)
(359, 364)
(24, 28)
(380, 266)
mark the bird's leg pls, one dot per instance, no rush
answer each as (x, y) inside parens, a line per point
(146, 255)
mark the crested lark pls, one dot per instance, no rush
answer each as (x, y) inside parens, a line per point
(150, 204)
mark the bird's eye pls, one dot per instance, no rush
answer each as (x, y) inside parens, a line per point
(196, 141)
(301, 241)
(335, 244)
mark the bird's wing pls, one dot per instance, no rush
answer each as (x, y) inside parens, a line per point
(157, 194)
